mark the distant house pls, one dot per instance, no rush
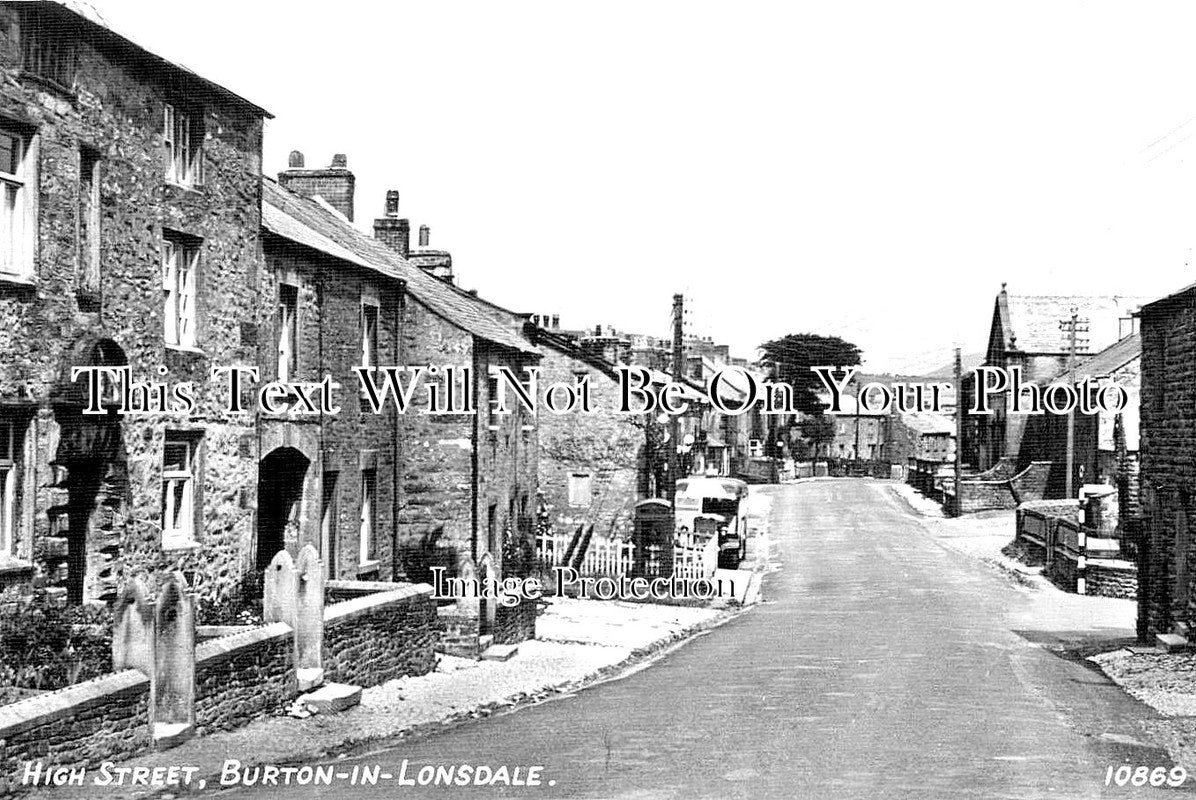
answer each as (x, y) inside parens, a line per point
(922, 442)
(1030, 332)
(1096, 458)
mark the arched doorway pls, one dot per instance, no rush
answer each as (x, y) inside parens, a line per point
(280, 502)
(89, 462)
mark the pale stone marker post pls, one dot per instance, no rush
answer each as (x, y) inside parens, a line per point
(133, 629)
(172, 685)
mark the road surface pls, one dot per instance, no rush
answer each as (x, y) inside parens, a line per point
(882, 664)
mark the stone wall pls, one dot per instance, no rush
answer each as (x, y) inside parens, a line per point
(1167, 471)
(513, 624)
(244, 676)
(105, 718)
(376, 638)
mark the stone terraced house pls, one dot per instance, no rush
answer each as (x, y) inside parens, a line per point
(138, 232)
(1167, 476)
(129, 237)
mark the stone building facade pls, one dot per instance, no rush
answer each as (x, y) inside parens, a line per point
(593, 467)
(328, 479)
(131, 239)
(1167, 480)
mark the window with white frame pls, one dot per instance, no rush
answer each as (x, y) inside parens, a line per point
(9, 448)
(369, 501)
(581, 487)
(182, 135)
(178, 489)
(180, 263)
(16, 210)
(288, 303)
(369, 335)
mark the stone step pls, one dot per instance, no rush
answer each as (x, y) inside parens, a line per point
(171, 734)
(332, 698)
(485, 641)
(309, 678)
(1172, 643)
(500, 652)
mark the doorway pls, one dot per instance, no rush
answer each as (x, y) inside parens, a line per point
(280, 502)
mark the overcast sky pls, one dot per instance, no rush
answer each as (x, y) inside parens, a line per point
(872, 170)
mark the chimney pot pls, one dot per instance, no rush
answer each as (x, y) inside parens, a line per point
(392, 203)
(425, 234)
(340, 161)
(296, 160)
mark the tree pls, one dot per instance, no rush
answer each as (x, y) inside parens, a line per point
(816, 430)
(793, 356)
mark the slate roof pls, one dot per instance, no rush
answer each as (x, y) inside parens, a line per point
(1107, 361)
(309, 223)
(86, 11)
(1030, 323)
(928, 422)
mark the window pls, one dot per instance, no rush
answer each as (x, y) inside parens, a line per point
(9, 447)
(178, 490)
(369, 497)
(581, 488)
(182, 134)
(288, 302)
(16, 206)
(755, 448)
(49, 49)
(369, 336)
(180, 260)
(87, 222)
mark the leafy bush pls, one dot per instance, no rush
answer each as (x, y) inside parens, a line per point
(44, 645)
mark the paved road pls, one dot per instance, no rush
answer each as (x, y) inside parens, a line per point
(882, 665)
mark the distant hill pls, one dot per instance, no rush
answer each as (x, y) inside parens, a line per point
(947, 372)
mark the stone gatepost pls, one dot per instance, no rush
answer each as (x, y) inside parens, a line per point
(308, 622)
(489, 574)
(172, 684)
(133, 629)
(278, 591)
(459, 621)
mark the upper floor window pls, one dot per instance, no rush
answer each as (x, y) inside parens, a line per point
(581, 488)
(182, 135)
(369, 336)
(288, 303)
(180, 263)
(49, 49)
(16, 205)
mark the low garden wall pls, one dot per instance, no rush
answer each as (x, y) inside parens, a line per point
(373, 637)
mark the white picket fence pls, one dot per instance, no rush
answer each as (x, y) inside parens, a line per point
(693, 556)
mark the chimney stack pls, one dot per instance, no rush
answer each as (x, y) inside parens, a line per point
(335, 183)
(425, 233)
(393, 232)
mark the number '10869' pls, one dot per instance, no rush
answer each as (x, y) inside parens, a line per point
(1126, 775)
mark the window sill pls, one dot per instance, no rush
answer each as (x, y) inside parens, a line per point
(25, 281)
(193, 188)
(180, 348)
(180, 547)
(10, 565)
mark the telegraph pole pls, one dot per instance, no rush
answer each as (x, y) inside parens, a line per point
(1072, 326)
(678, 374)
(958, 426)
